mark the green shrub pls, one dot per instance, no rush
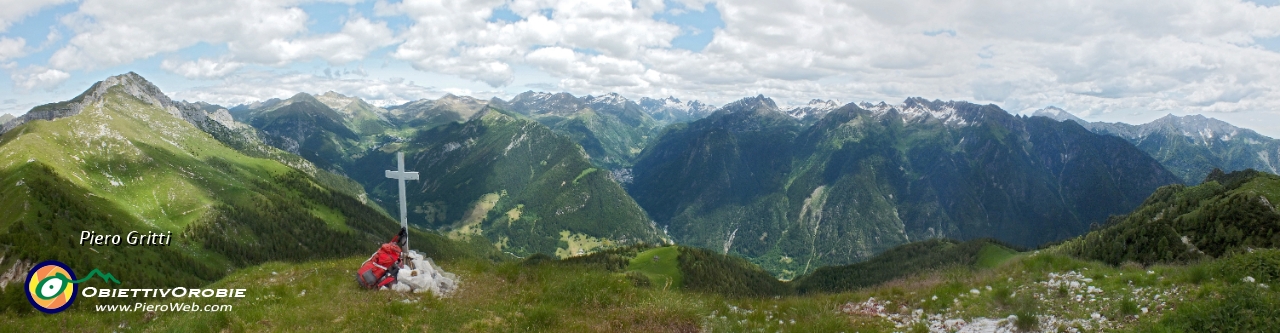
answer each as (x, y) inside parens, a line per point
(540, 319)
(1027, 321)
(1236, 308)
(1128, 308)
(1001, 295)
(1263, 265)
(638, 279)
(1197, 274)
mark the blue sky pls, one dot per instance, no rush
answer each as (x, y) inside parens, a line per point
(1105, 60)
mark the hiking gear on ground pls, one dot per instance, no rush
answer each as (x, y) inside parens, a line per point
(380, 270)
(401, 237)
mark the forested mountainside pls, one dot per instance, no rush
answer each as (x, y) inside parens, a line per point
(753, 181)
(511, 182)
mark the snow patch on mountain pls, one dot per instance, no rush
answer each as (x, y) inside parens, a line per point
(1058, 114)
(536, 103)
(945, 112)
(612, 99)
(816, 108)
(751, 104)
(917, 109)
(673, 109)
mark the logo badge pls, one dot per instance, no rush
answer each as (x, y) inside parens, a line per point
(51, 286)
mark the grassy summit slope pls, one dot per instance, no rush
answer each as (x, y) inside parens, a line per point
(660, 265)
(932, 286)
(904, 260)
(1046, 292)
(124, 164)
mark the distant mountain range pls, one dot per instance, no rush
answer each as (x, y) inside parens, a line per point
(330, 130)
(1190, 146)
(813, 111)
(791, 189)
(514, 183)
(753, 180)
(612, 129)
(513, 172)
(671, 110)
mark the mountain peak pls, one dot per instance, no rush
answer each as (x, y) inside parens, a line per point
(1195, 126)
(673, 109)
(752, 103)
(137, 86)
(610, 99)
(878, 108)
(531, 102)
(131, 83)
(918, 108)
(815, 108)
(301, 97)
(1055, 113)
(343, 103)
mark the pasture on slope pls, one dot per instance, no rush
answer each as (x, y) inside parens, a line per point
(1045, 291)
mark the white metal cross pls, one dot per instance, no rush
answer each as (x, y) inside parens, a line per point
(402, 176)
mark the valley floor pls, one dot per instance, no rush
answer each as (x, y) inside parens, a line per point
(1033, 291)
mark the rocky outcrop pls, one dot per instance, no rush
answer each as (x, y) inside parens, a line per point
(16, 272)
(132, 84)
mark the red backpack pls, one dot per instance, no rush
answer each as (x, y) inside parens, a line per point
(380, 270)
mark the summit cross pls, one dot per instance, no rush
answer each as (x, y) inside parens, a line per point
(401, 175)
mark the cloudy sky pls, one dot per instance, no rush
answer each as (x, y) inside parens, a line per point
(1110, 60)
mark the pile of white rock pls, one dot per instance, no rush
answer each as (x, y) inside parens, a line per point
(423, 275)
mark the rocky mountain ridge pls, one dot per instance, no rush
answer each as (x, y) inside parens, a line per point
(132, 84)
(1190, 146)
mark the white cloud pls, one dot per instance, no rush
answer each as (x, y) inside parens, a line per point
(12, 47)
(15, 10)
(37, 77)
(203, 68)
(1103, 58)
(454, 37)
(358, 37)
(251, 86)
(109, 33)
